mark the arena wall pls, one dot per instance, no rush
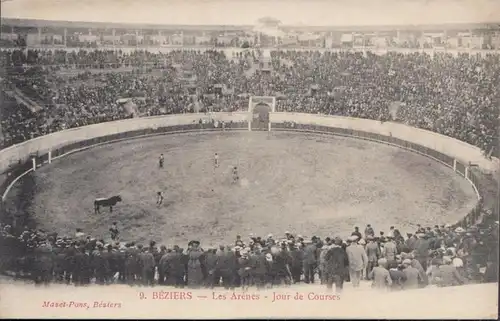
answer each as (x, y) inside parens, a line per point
(450, 152)
(455, 148)
(42, 145)
(449, 146)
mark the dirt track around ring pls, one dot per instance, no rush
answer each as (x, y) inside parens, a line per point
(310, 184)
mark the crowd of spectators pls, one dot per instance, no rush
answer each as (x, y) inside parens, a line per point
(454, 95)
(440, 256)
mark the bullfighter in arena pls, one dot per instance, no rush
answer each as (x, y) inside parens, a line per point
(114, 232)
(216, 160)
(159, 200)
(161, 160)
(235, 175)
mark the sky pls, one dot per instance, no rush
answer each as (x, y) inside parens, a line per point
(247, 12)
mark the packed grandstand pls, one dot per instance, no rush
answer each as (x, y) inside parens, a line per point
(455, 95)
(452, 95)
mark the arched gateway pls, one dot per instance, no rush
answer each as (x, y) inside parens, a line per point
(259, 108)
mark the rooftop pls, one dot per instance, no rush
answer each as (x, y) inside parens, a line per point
(105, 25)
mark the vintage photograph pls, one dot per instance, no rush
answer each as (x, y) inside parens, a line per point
(231, 159)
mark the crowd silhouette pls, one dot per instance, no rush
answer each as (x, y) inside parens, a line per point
(455, 95)
(451, 94)
(439, 255)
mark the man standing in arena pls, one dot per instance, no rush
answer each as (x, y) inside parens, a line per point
(216, 160)
(235, 175)
(161, 160)
(114, 232)
(159, 200)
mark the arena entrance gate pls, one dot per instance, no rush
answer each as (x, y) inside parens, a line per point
(259, 108)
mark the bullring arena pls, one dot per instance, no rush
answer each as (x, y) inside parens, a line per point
(340, 181)
(311, 184)
(194, 171)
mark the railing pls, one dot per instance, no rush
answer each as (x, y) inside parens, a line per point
(60, 144)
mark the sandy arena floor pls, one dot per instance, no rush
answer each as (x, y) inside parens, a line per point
(309, 184)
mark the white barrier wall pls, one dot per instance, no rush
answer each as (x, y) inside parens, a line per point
(449, 146)
(446, 145)
(44, 144)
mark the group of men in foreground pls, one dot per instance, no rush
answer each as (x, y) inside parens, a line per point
(441, 256)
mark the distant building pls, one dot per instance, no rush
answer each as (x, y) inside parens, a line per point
(176, 39)
(201, 40)
(225, 40)
(267, 32)
(471, 41)
(110, 38)
(379, 42)
(495, 41)
(87, 38)
(453, 42)
(8, 36)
